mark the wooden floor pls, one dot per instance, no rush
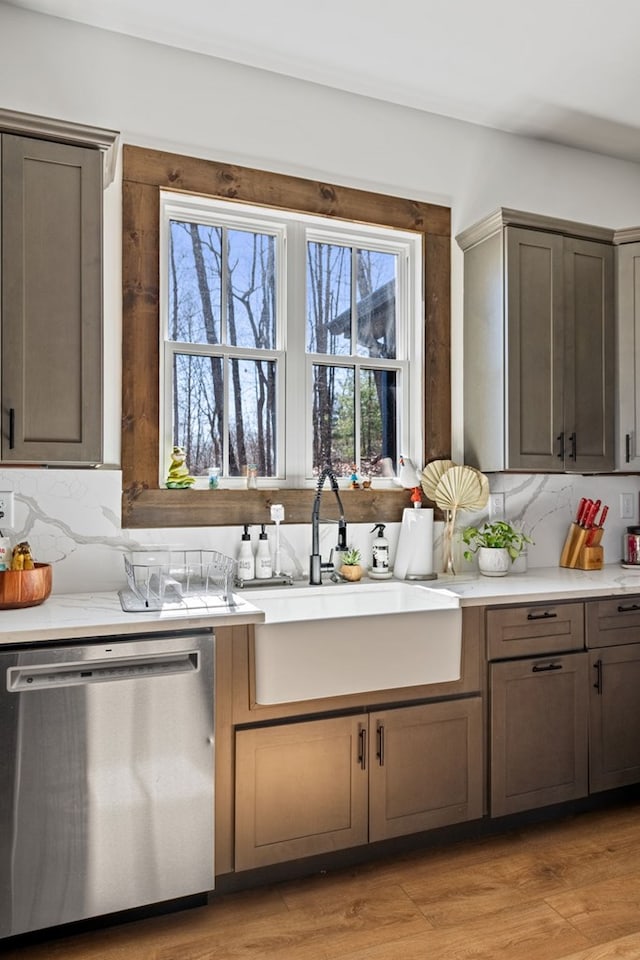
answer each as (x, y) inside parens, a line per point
(568, 889)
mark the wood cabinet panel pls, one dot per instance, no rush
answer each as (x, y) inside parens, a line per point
(536, 629)
(301, 789)
(613, 622)
(425, 767)
(628, 317)
(539, 303)
(614, 717)
(51, 302)
(539, 732)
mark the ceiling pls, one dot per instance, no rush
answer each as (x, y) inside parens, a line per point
(561, 70)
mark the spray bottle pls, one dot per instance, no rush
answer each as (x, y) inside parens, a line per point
(379, 569)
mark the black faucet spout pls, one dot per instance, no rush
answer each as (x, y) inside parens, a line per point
(315, 560)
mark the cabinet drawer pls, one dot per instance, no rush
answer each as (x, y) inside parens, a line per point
(610, 623)
(536, 629)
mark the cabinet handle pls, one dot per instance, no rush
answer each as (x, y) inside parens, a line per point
(541, 616)
(574, 454)
(627, 448)
(629, 609)
(545, 667)
(560, 439)
(598, 684)
(12, 428)
(362, 748)
(380, 748)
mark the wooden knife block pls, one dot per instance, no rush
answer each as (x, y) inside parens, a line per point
(576, 554)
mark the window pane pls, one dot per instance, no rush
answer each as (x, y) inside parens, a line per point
(252, 417)
(195, 257)
(376, 303)
(328, 298)
(378, 419)
(333, 418)
(197, 410)
(251, 304)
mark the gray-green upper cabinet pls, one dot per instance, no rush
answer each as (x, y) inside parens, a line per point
(51, 196)
(628, 311)
(539, 345)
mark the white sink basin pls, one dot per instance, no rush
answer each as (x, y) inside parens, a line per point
(351, 638)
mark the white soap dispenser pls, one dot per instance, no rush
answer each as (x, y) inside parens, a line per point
(246, 560)
(264, 564)
(379, 569)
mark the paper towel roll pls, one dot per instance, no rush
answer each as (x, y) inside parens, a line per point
(414, 556)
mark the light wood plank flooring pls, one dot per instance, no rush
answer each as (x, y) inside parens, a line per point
(565, 890)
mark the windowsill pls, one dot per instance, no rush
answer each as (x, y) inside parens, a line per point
(201, 508)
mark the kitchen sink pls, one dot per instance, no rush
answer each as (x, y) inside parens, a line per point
(333, 640)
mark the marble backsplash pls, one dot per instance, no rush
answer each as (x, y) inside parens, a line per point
(71, 518)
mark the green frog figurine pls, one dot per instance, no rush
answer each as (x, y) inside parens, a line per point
(178, 477)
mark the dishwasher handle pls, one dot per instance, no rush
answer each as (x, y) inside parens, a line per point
(48, 676)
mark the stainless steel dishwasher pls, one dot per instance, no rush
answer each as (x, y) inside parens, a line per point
(106, 776)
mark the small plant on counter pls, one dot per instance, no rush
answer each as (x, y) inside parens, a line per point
(496, 535)
(350, 567)
(351, 557)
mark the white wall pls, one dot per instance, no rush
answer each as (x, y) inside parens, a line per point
(170, 99)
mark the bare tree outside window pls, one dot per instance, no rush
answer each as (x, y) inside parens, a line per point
(222, 295)
(352, 320)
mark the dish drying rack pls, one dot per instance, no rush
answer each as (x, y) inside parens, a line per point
(176, 579)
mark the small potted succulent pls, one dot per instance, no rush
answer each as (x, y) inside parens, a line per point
(350, 567)
(497, 544)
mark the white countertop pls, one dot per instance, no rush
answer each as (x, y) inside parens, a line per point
(85, 615)
(540, 584)
(72, 616)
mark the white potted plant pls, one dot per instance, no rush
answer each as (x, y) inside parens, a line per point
(497, 544)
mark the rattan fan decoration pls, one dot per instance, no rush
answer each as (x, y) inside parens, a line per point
(456, 488)
(432, 474)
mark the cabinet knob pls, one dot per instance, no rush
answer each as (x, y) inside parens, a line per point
(574, 453)
(627, 448)
(12, 428)
(542, 616)
(560, 439)
(545, 667)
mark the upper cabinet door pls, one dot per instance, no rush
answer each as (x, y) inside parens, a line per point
(539, 345)
(535, 349)
(590, 350)
(51, 302)
(628, 298)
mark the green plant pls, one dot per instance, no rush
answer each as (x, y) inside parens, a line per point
(498, 534)
(351, 557)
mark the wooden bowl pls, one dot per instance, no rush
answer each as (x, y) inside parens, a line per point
(25, 588)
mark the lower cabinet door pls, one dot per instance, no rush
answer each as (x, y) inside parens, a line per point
(539, 732)
(614, 717)
(301, 789)
(425, 767)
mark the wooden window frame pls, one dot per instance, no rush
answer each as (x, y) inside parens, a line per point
(145, 173)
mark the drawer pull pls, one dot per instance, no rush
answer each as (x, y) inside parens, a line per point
(12, 428)
(380, 751)
(629, 609)
(541, 616)
(598, 684)
(545, 667)
(362, 748)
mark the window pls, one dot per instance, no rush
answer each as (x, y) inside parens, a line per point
(276, 327)
(355, 382)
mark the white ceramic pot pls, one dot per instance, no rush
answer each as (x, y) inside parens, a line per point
(493, 561)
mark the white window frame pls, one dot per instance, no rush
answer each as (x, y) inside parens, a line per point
(292, 231)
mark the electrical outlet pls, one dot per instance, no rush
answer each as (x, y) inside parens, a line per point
(7, 521)
(627, 509)
(496, 506)
(277, 512)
